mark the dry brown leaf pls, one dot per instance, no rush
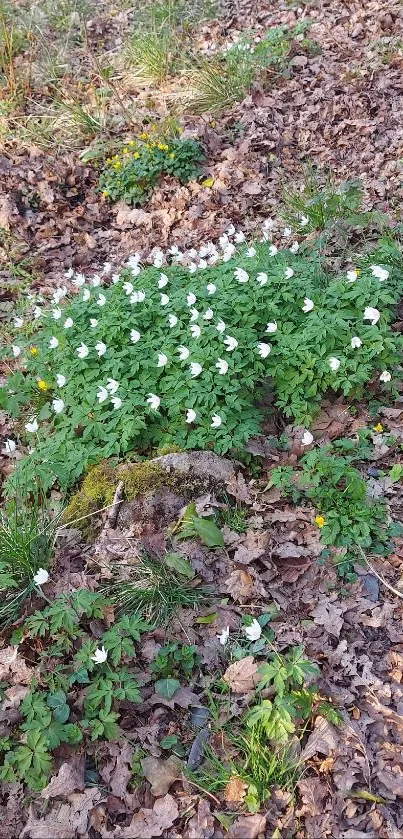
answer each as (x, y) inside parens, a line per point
(161, 773)
(13, 667)
(240, 585)
(69, 778)
(248, 827)
(313, 793)
(329, 615)
(201, 826)
(66, 821)
(253, 546)
(242, 676)
(147, 824)
(237, 487)
(235, 790)
(323, 739)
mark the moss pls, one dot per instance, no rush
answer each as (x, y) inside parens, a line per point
(97, 491)
(167, 448)
(140, 478)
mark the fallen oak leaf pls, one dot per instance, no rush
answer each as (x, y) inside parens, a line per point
(242, 676)
(69, 779)
(161, 773)
(201, 826)
(147, 824)
(240, 585)
(235, 790)
(248, 827)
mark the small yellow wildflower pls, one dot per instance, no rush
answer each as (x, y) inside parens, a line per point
(34, 350)
(378, 427)
(320, 521)
(213, 123)
(172, 155)
(136, 155)
(117, 165)
(161, 146)
(144, 135)
(109, 160)
(125, 150)
(105, 193)
(132, 143)
(153, 145)
(42, 384)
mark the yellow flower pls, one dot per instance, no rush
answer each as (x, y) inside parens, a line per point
(378, 427)
(42, 385)
(109, 160)
(125, 150)
(117, 165)
(213, 123)
(132, 143)
(161, 146)
(320, 521)
(136, 155)
(172, 155)
(34, 350)
(105, 193)
(144, 135)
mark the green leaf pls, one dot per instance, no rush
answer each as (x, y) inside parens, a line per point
(179, 564)
(57, 701)
(209, 533)
(167, 687)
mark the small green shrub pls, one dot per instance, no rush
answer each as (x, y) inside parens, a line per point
(132, 175)
(165, 356)
(175, 660)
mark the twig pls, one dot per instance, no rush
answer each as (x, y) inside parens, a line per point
(209, 794)
(381, 579)
(114, 509)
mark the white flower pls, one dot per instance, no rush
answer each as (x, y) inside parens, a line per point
(115, 278)
(223, 636)
(192, 253)
(195, 330)
(138, 297)
(184, 353)
(96, 280)
(251, 252)
(303, 220)
(153, 401)
(271, 327)
(221, 327)
(195, 369)
(162, 359)
(264, 350)
(158, 259)
(116, 402)
(68, 323)
(289, 273)
(18, 322)
(86, 295)
(213, 258)
(32, 426)
(93, 323)
(192, 268)
(308, 305)
(58, 405)
(230, 343)
(163, 281)
(385, 376)
(202, 264)
(82, 351)
(254, 631)
(223, 241)
(307, 438)
(41, 577)
(352, 276)
(135, 270)
(334, 363)
(134, 336)
(216, 421)
(194, 315)
(222, 366)
(287, 232)
(9, 447)
(231, 230)
(69, 273)
(380, 273)
(211, 288)
(228, 253)
(356, 342)
(262, 278)
(53, 343)
(268, 224)
(208, 315)
(241, 275)
(112, 386)
(372, 314)
(61, 380)
(190, 415)
(100, 655)
(273, 250)
(79, 280)
(164, 299)
(133, 261)
(101, 300)
(294, 247)
(191, 299)
(174, 250)
(59, 293)
(37, 312)
(16, 350)
(107, 267)
(128, 288)
(102, 394)
(100, 348)
(172, 320)
(239, 237)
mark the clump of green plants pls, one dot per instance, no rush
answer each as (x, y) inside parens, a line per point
(164, 356)
(347, 515)
(131, 175)
(71, 660)
(219, 81)
(27, 542)
(175, 660)
(156, 588)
